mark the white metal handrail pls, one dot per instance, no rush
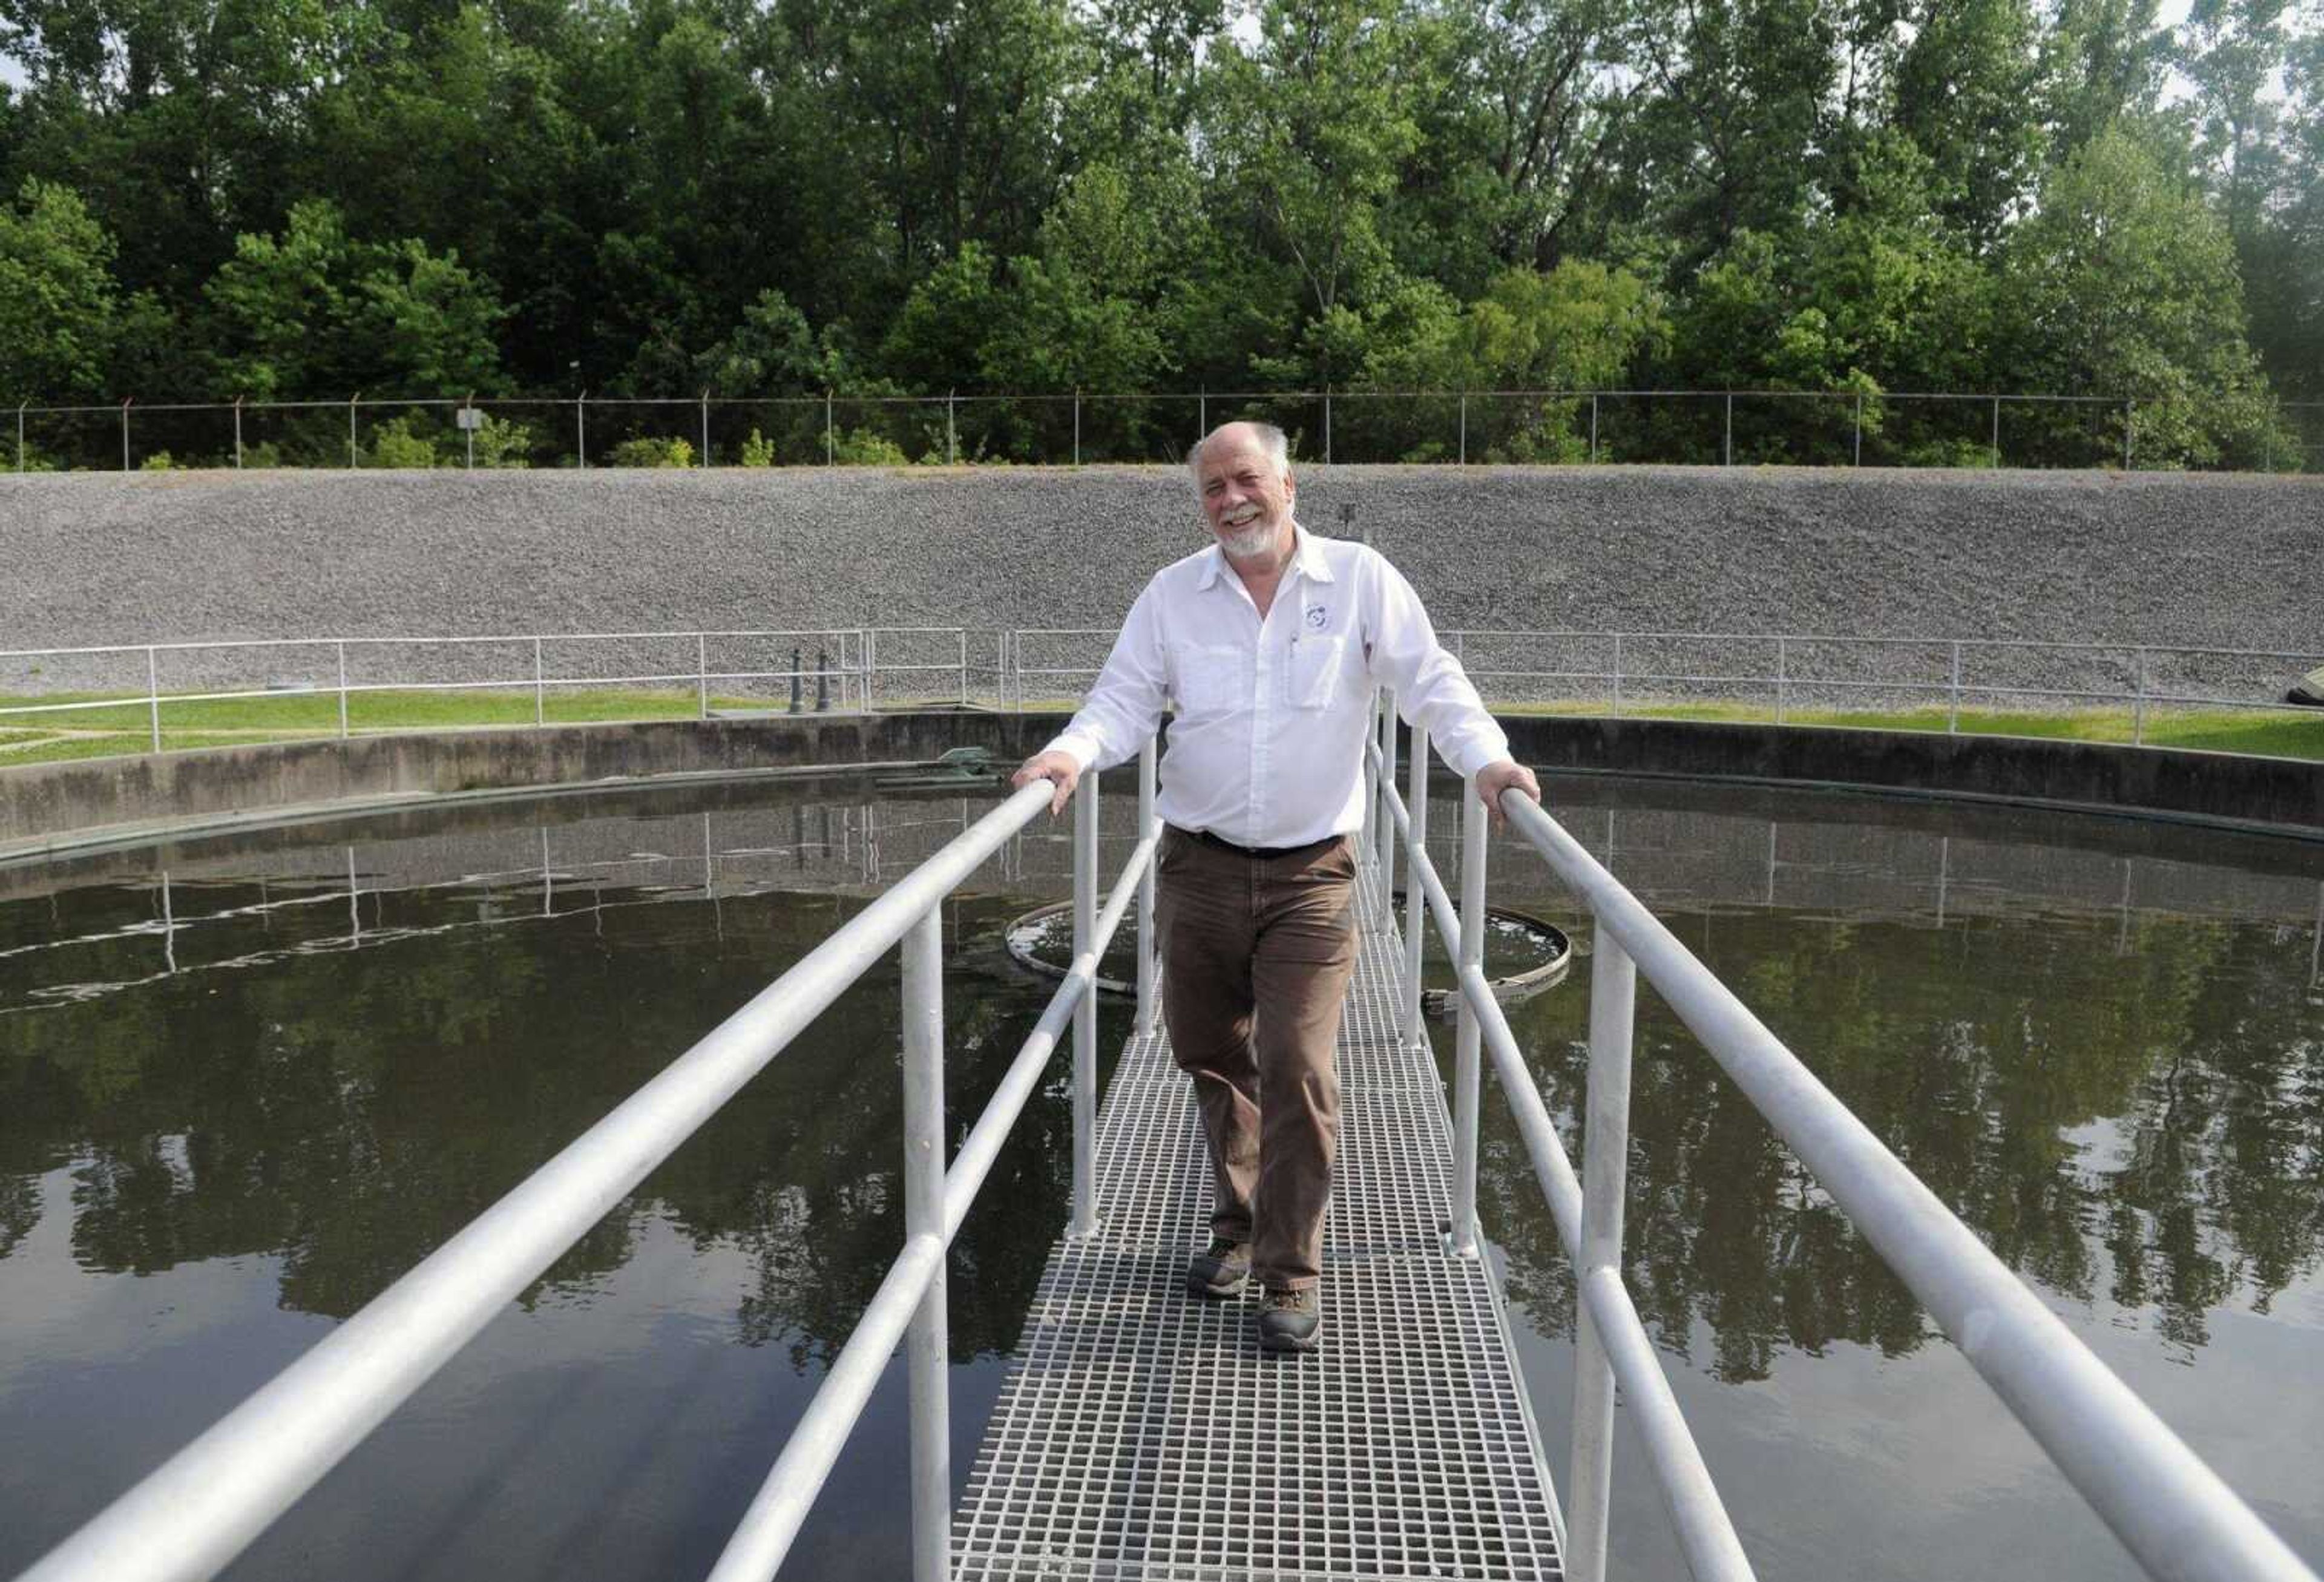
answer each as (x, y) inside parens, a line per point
(2171, 1510)
(194, 1514)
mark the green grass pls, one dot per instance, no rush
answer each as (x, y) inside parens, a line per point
(110, 724)
(2269, 733)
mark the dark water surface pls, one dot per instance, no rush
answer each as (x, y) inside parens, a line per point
(246, 1083)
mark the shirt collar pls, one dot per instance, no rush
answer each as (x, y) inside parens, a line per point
(1306, 554)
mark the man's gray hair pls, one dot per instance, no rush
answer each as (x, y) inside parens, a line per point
(1271, 439)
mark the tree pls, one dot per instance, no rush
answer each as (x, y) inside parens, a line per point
(59, 304)
(315, 311)
(2124, 283)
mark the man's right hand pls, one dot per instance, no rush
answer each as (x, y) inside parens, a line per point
(1057, 768)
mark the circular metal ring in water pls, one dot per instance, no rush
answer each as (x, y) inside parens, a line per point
(1435, 1002)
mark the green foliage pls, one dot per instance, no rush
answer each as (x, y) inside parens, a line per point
(2125, 283)
(394, 444)
(648, 451)
(758, 451)
(158, 461)
(308, 200)
(861, 447)
(59, 304)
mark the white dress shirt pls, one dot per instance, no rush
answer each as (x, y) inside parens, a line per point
(1266, 747)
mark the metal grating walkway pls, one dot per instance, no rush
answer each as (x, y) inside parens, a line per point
(1141, 1435)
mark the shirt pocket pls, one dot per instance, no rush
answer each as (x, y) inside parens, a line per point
(1208, 678)
(1312, 676)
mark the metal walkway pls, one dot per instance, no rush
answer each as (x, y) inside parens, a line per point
(1141, 1434)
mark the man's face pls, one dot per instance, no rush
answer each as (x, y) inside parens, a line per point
(1247, 502)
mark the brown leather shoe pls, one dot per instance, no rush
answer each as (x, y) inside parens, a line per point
(1291, 1320)
(1220, 1271)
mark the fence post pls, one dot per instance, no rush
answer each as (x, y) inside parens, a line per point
(702, 674)
(1728, 452)
(2139, 709)
(963, 666)
(1594, 428)
(1618, 674)
(1077, 424)
(1783, 676)
(706, 427)
(1860, 430)
(1996, 432)
(153, 692)
(1464, 428)
(1202, 412)
(1085, 1221)
(926, 1342)
(124, 444)
(1415, 914)
(20, 436)
(830, 449)
(1613, 997)
(1468, 1035)
(237, 433)
(540, 689)
(952, 429)
(581, 428)
(1327, 425)
(1148, 1002)
(2129, 416)
(1952, 717)
(470, 404)
(352, 400)
(343, 690)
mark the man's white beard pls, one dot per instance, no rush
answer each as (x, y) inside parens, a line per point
(1249, 543)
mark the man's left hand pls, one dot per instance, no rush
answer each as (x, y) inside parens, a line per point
(1495, 778)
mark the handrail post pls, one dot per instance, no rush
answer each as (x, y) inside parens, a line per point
(1371, 783)
(1952, 717)
(702, 674)
(1415, 915)
(540, 689)
(1385, 816)
(926, 1342)
(1085, 1221)
(153, 691)
(1147, 945)
(963, 636)
(1618, 674)
(1613, 999)
(1783, 678)
(1468, 1066)
(343, 690)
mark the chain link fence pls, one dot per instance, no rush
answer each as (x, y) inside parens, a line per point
(1473, 428)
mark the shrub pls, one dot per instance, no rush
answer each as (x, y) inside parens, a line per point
(861, 447)
(646, 451)
(503, 442)
(158, 462)
(394, 444)
(758, 451)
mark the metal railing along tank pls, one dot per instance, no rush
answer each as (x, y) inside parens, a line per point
(194, 1514)
(2175, 1514)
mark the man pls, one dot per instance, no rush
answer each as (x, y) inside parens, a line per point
(1272, 641)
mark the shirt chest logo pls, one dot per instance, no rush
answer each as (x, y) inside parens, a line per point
(1319, 616)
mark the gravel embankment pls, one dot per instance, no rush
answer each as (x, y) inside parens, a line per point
(2163, 560)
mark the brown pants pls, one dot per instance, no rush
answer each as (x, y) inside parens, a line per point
(1256, 957)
